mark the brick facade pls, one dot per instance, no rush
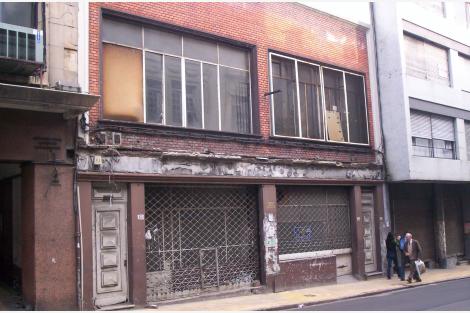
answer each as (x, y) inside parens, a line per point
(286, 28)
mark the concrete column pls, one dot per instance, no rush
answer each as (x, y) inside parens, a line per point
(381, 228)
(439, 225)
(455, 69)
(357, 233)
(48, 226)
(136, 239)
(268, 235)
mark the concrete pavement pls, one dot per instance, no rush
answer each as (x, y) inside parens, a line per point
(307, 296)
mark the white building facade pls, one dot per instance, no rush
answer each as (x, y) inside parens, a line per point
(423, 67)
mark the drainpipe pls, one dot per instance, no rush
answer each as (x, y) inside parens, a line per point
(78, 225)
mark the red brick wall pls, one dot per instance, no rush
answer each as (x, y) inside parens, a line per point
(285, 27)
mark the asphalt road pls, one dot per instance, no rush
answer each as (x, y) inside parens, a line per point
(447, 296)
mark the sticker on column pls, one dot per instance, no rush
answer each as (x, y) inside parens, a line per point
(148, 235)
(140, 217)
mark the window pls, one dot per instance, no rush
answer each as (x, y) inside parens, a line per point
(18, 13)
(426, 61)
(432, 135)
(436, 7)
(467, 138)
(185, 81)
(315, 102)
(467, 11)
(465, 65)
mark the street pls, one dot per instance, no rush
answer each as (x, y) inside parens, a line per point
(452, 295)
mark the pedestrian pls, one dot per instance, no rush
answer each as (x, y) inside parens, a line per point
(391, 245)
(400, 259)
(413, 251)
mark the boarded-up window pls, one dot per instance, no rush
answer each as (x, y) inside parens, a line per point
(122, 83)
(465, 72)
(425, 60)
(335, 105)
(432, 135)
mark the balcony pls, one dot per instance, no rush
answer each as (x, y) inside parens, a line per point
(21, 49)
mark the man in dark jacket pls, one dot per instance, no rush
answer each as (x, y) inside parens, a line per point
(413, 251)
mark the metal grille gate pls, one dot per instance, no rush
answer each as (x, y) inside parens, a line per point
(313, 219)
(200, 239)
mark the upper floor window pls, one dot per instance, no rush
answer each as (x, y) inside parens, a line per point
(315, 102)
(167, 78)
(432, 135)
(467, 11)
(18, 13)
(436, 7)
(425, 60)
(465, 63)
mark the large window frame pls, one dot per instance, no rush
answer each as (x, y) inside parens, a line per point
(323, 104)
(183, 60)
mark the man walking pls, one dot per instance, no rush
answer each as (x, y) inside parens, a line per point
(413, 251)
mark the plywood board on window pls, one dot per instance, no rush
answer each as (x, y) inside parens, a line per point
(333, 121)
(122, 83)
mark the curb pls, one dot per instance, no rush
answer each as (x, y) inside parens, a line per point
(372, 293)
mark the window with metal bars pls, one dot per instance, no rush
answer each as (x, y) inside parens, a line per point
(432, 135)
(313, 219)
(188, 81)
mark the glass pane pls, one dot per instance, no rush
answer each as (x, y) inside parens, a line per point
(22, 46)
(11, 44)
(154, 87)
(235, 100)
(162, 41)
(285, 97)
(193, 94)
(18, 13)
(173, 97)
(122, 33)
(122, 83)
(356, 109)
(3, 42)
(310, 101)
(335, 105)
(234, 57)
(211, 107)
(200, 49)
(31, 47)
(422, 147)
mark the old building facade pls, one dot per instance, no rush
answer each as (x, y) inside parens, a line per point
(233, 149)
(423, 53)
(40, 101)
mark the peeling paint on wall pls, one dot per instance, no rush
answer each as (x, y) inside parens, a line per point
(270, 244)
(218, 166)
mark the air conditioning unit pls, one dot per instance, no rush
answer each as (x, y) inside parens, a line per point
(21, 43)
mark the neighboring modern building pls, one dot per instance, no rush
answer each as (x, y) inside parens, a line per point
(40, 101)
(423, 53)
(233, 148)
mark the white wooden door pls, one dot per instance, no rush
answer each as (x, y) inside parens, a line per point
(369, 231)
(110, 246)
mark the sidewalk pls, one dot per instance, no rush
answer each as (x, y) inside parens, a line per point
(287, 299)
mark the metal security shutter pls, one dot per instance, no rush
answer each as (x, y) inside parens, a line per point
(453, 222)
(420, 125)
(442, 128)
(313, 219)
(412, 211)
(200, 239)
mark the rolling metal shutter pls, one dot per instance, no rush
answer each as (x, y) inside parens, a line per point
(420, 125)
(442, 128)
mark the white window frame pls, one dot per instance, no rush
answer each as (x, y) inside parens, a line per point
(183, 82)
(323, 104)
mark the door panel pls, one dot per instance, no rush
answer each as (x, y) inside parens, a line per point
(110, 248)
